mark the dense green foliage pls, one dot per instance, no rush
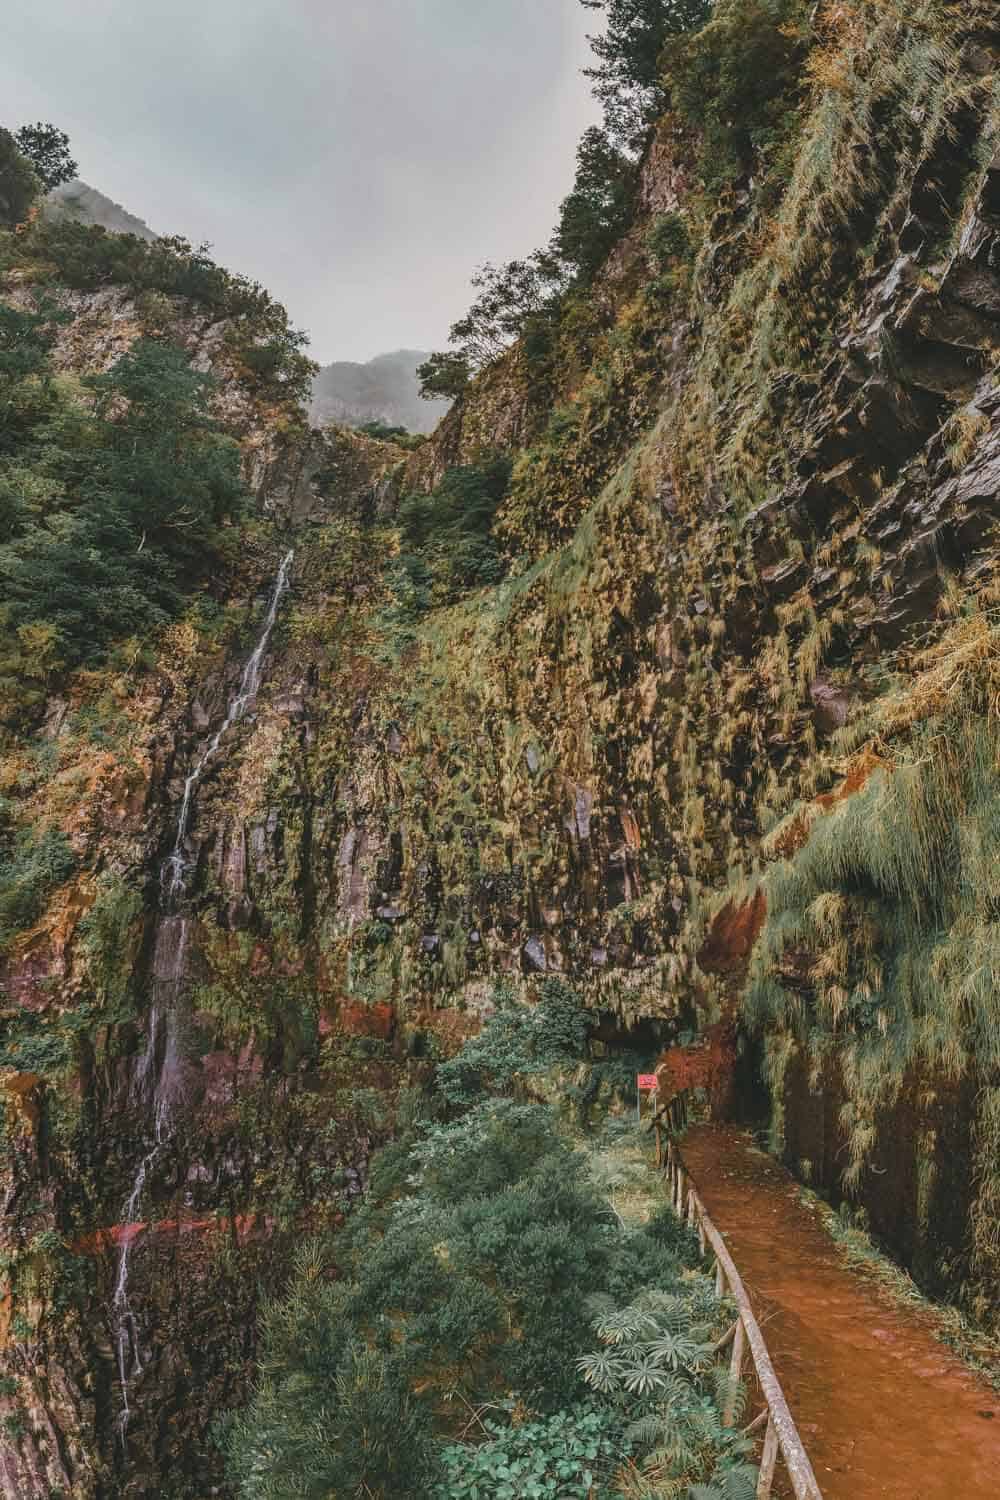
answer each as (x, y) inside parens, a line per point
(20, 185)
(31, 865)
(87, 257)
(110, 508)
(517, 1042)
(446, 538)
(444, 374)
(628, 78)
(661, 1347)
(47, 149)
(594, 215)
(570, 1455)
(453, 1317)
(737, 82)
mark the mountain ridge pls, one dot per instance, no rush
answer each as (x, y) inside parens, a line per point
(382, 389)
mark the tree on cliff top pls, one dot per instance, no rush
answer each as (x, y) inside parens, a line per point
(47, 149)
(514, 299)
(627, 79)
(20, 184)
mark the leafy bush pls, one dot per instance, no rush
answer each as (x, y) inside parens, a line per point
(446, 541)
(570, 1455)
(668, 239)
(126, 518)
(659, 1350)
(516, 1042)
(737, 81)
(470, 1229)
(31, 866)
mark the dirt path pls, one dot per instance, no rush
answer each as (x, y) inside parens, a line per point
(884, 1409)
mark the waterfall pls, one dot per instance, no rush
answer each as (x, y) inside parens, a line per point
(174, 872)
(157, 1077)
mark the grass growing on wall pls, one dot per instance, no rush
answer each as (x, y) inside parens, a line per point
(882, 942)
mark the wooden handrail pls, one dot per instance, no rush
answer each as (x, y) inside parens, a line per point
(781, 1435)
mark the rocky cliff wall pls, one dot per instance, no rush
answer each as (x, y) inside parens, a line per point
(736, 487)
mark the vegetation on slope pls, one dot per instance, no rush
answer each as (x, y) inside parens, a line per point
(548, 714)
(486, 1324)
(881, 945)
(607, 733)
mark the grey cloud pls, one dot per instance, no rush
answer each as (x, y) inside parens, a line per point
(359, 157)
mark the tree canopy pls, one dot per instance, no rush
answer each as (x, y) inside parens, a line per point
(20, 185)
(627, 79)
(526, 294)
(47, 149)
(108, 510)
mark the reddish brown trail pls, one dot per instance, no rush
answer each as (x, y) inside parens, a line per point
(885, 1411)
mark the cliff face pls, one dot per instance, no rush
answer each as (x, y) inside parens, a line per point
(739, 480)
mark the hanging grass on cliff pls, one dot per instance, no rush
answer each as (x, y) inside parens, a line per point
(881, 948)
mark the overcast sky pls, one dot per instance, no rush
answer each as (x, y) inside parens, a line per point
(359, 157)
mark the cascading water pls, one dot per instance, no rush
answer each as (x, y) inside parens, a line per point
(175, 869)
(158, 1073)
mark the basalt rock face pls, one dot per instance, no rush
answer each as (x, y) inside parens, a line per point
(273, 1104)
(726, 507)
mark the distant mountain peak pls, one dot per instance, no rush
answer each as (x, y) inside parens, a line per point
(385, 389)
(85, 205)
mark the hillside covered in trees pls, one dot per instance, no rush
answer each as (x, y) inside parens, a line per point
(372, 810)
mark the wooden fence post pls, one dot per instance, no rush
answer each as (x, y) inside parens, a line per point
(781, 1437)
(735, 1372)
(767, 1461)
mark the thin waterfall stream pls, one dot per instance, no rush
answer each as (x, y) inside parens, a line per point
(158, 1072)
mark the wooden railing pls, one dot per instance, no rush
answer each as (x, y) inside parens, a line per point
(781, 1438)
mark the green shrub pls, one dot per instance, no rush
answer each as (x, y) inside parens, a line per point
(516, 1042)
(470, 1229)
(128, 519)
(738, 80)
(668, 239)
(660, 1350)
(572, 1453)
(31, 866)
(446, 540)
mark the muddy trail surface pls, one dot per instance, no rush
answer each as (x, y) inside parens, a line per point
(883, 1408)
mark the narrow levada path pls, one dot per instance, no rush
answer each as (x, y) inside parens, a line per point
(883, 1408)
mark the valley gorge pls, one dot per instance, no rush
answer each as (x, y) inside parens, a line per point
(663, 673)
